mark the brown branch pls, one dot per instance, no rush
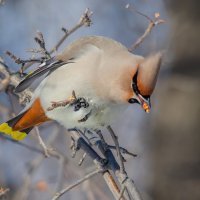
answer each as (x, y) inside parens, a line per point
(152, 23)
(4, 76)
(85, 20)
(122, 192)
(40, 40)
(86, 177)
(146, 33)
(123, 150)
(41, 142)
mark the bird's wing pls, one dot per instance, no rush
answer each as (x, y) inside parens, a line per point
(70, 55)
(44, 68)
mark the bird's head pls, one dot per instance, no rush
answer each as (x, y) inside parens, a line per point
(144, 81)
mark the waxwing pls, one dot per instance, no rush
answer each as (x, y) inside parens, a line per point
(87, 86)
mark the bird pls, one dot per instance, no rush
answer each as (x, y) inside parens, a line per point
(86, 86)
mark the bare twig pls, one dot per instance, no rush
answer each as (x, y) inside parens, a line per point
(99, 162)
(40, 40)
(86, 177)
(133, 9)
(4, 76)
(33, 166)
(13, 80)
(31, 148)
(82, 159)
(123, 150)
(19, 61)
(115, 139)
(146, 33)
(122, 192)
(85, 20)
(41, 142)
(152, 23)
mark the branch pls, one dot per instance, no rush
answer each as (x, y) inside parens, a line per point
(146, 33)
(4, 76)
(152, 23)
(98, 161)
(85, 20)
(115, 139)
(123, 150)
(41, 142)
(86, 177)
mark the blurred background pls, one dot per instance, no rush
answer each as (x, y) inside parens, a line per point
(166, 141)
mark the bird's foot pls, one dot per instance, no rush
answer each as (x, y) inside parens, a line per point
(79, 103)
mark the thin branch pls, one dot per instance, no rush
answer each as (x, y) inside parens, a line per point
(19, 61)
(85, 20)
(82, 159)
(122, 192)
(11, 79)
(5, 80)
(146, 33)
(99, 162)
(86, 177)
(40, 40)
(41, 142)
(115, 139)
(123, 150)
(133, 9)
(152, 23)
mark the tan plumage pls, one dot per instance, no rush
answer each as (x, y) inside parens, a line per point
(103, 72)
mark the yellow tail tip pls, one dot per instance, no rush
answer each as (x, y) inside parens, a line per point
(17, 135)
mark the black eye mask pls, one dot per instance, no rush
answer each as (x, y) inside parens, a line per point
(136, 90)
(134, 84)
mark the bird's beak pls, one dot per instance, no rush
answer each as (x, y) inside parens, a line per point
(146, 105)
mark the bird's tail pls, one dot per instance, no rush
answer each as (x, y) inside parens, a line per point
(9, 128)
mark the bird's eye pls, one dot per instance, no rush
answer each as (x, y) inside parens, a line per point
(132, 100)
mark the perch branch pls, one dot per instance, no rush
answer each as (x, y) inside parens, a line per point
(115, 139)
